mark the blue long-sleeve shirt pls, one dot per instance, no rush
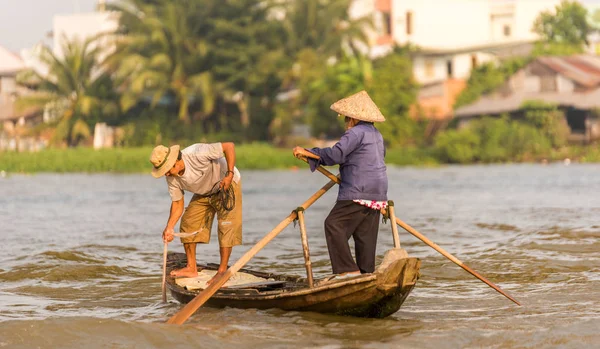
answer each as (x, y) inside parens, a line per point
(360, 153)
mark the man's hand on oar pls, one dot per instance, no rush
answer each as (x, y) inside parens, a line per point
(168, 235)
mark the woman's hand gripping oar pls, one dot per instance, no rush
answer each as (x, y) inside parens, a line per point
(421, 237)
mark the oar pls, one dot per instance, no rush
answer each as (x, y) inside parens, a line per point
(189, 309)
(164, 276)
(431, 244)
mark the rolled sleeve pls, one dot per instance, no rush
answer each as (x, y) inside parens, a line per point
(210, 151)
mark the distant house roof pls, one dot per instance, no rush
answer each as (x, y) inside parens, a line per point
(583, 70)
(10, 63)
(513, 102)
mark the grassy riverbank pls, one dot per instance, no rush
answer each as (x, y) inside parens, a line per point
(249, 156)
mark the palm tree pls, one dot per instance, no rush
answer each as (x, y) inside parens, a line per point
(72, 91)
(158, 56)
(247, 48)
(325, 26)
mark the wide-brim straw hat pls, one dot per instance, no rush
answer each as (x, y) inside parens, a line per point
(359, 106)
(163, 159)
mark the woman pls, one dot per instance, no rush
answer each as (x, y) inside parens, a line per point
(360, 153)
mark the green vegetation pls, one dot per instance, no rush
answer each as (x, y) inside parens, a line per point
(207, 70)
(255, 156)
(488, 77)
(131, 160)
(564, 32)
(260, 156)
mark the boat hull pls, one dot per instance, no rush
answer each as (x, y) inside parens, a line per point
(374, 295)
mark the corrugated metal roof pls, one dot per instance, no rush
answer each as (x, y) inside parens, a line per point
(582, 69)
(514, 102)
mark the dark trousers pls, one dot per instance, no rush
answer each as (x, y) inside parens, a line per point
(349, 219)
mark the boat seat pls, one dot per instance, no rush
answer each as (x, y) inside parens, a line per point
(260, 286)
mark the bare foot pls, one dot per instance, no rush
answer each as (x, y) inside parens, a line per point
(218, 274)
(184, 272)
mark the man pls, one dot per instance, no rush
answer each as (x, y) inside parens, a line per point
(215, 183)
(360, 153)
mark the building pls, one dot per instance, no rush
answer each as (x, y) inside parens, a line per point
(572, 83)
(451, 37)
(83, 26)
(14, 120)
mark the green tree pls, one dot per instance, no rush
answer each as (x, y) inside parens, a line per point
(394, 94)
(159, 57)
(456, 146)
(348, 76)
(563, 32)
(549, 120)
(325, 26)
(248, 60)
(488, 77)
(73, 91)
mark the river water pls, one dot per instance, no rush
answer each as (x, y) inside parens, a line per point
(81, 258)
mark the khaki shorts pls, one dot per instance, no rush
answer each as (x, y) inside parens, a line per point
(199, 216)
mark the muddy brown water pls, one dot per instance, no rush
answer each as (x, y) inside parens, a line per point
(80, 265)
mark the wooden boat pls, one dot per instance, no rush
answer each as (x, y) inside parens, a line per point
(375, 295)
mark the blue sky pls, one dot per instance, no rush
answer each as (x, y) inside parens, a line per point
(23, 23)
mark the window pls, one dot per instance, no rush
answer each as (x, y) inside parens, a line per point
(409, 23)
(429, 68)
(387, 23)
(449, 69)
(473, 61)
(506, 30)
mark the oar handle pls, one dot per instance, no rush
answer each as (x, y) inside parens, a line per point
(423, 238)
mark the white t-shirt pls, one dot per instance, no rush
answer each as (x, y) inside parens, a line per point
(205, 165)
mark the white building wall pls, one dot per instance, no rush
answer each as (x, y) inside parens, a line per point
(462, 23)
(563, 84)
(441, 24)
(429, 69)
(82, 26)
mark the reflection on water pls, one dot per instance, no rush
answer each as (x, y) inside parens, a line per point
(81, 258)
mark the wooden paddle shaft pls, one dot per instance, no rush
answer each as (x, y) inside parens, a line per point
(164, 275)
(307, 264)
(458, 262)
(428, 242)
(394, 225)
(189, 309)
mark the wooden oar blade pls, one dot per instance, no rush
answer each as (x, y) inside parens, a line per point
(489, 283)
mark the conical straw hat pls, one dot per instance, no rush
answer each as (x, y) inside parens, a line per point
(359, 106)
